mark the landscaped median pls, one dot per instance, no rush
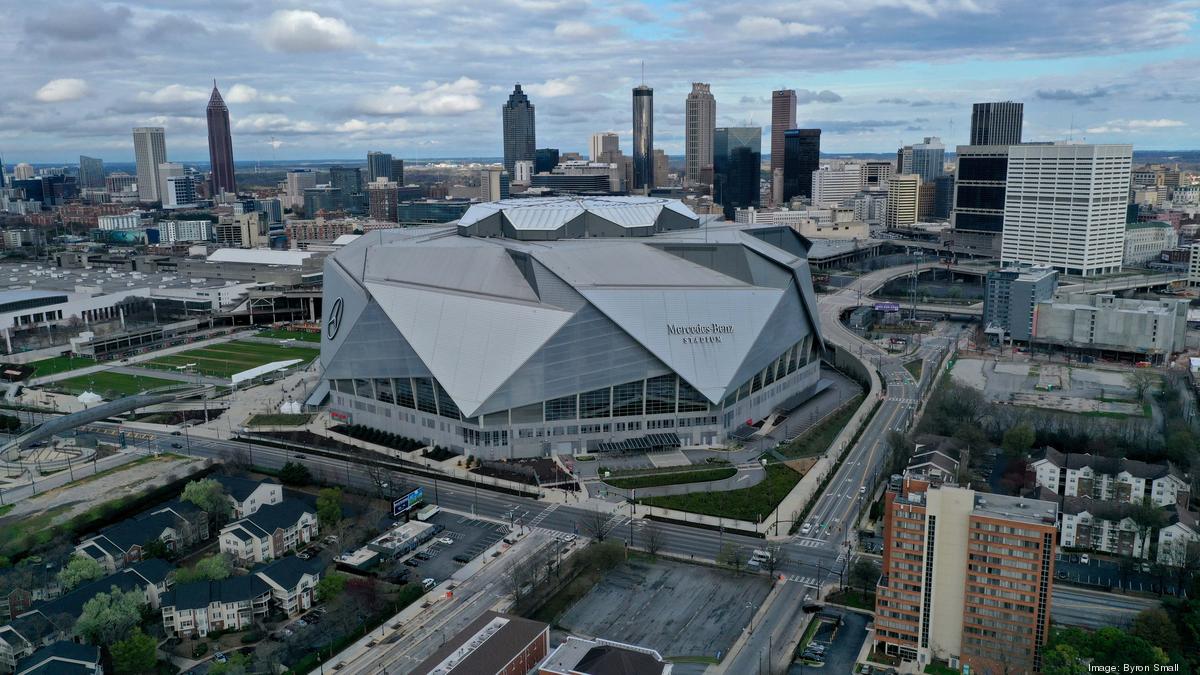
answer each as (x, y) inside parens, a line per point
(817, 440)
(675, 477)
(747, 504)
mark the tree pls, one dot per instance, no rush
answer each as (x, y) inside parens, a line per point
(209, 496)
(1019, 439)
(109, 617)
(237, 664)
(596, 524)
(294, 473)
(135, 655)
(1141, 380)
(329, 507)
(1148, 517)
(156, 548)
(731, 557)
(79, 569)
(653, 537)
(213, 568)
(777, 560)
(864, 573)
(1154, 625)
(331, 587)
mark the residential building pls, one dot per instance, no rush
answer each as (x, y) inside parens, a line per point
(869, 207)
(270, 531)
(178, 524)
(966, 577)
(579, 656)
(1099, 525)
(1152, 329)
(168, 170)
(1179, 539)
(903, 201)
(185, 230)
(248, 496)
(62, 658)
(1064, 206)
(220, 145)
(977, 213)
(124, 221)
(248, 230)
(801, 157)
(322, 199)
(1145, 241)
(23, 171)
(150, 579)
(832, 187)
(493, 644)
(349, 181)
(643, 139)
(1011, 294)
(293, 583)
(737, 156)
(202, 607)
(23, 636)
(699, 123)
(524, 172)
(1193, 278)
(91, 172)
(298, 181)
(996, 123)
(545, 159)
(783, 118)
(379, 165)
(1110, 479)
(179, 191)
(519, 132)
(383, 196)
(149, 150)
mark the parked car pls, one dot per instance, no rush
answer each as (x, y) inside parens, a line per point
(428, 584)
(447, 541)
(176, 445)
(220, 657)
(462, 558)
(1084, 559)
(411, 563)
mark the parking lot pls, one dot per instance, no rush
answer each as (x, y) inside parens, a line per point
(841, 636)
(469, 538)
(1107, 574)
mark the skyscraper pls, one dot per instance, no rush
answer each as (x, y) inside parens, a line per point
(700, 118)
(737, 155)
(643, 138)
(601, 143)
(783, 117)
(1064, 206)
(220, 145)
(168, 170)
(398, 171)
(519, 135)
(2, 184)
(977, 212)
(91, 172)
(379, 165)
(903, 201)
(801, 156)
(545, 159)
(997, 123)
(928, 159)
(149, 150)
(383, 198)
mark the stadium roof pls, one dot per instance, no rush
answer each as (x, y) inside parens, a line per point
(576, 217)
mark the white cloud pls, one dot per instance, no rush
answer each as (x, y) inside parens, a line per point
(357, 126)
(296, 30)
(173, 93)
(575, 30)
(449, 98)
(1126, 126)
(1155, 124)
(243, 93)
(273, 123)
(60, 91)
(555, 88)
(770, 28)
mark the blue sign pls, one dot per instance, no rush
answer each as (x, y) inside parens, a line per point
(405, 503)
(887, 307)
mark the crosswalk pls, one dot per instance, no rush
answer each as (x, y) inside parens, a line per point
(810, 543)
(542, 516)
(807, 581)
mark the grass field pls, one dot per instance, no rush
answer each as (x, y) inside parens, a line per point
(671, 478)
(748, 504)
(914, 368)
(816, 441)
(60, 364)
(298, 335)
(223, 360)
(110, 385)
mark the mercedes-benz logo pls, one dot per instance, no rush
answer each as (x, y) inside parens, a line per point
(334, 322)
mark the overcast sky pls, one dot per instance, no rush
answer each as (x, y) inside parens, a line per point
(426, 78)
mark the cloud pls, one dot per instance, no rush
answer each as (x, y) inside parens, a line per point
(1072, 95)
(1128, 126)
(173, 93)
(262, 124)
(770, 28)
(576, 30)
(919, 103)
(1155, 124)
(83, 21)
(242, 93)
(60, 91)
(449, 98)
(555, 88)
(809, 96)
(357, 126)
(296, 31)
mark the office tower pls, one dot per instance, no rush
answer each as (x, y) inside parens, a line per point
(801, 157)
(383, 200)
(91, 172)
(23, 171)
(737, 155)
(904, 159)
(700, 119)
(347, 179)
(662, 168)
(167, 170)
(997, 123)
(1064, 206)
(601, 143)
(977, 211)
(830, 187)
(2, 183)
(398, 171)
(179, 189)
(297, 182)
(943, 196)
(519, 135)
(643, 139)
(876, 173)
(928, 159)
(783, 117)
(493, 184)
(903, 201)
(523, 169)
(272, 207)
(220, 145)
(119, 182)
(149, 150)
(379, 165)
(544, 159)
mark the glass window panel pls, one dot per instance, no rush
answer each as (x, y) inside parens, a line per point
(425, 395)
(446, 405)
(363, 389)
(560, 408)
(660, 395)
(691, 400)
(383, 391)
(597, 403)
(404, 392)
(627, 399)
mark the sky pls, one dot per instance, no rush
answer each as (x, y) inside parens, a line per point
(424, 79)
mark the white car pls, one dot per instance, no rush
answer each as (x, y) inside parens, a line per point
(806, 529)
(429, 583)
(567, 538)
(1083, 559)
(446, 540)
(862, 490)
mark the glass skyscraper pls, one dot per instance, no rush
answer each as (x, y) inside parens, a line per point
(997, 123)
(379, 165)
(519, 134)
(220, 145)
(737, 154)
(643, 138)
(801, 157)
(91, 172)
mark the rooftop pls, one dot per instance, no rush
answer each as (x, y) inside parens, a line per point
(542, 218)
(32, 280)
(1033, 511)
(260, 256)
(603, 657)
(492, 639)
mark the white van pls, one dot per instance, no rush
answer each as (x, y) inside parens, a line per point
(760, 556)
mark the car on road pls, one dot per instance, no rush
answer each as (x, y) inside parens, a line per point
(220, 657)
(806, 529)
(411, 563)
(422, 556)
(177, 445)
(300, 456)
(1084, 560)
(462, 558)
(862, 490)
(566, 538)
(446, 540)
(176, 432)
(1062, 574)
(428, 583)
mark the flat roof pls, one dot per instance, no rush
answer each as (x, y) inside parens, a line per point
(261, 256)
(33, 280)
(484, 646)
(1033, 511)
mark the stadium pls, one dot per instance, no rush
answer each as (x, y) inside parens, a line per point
(556, 325)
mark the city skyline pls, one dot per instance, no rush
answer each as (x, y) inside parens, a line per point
(85, 77)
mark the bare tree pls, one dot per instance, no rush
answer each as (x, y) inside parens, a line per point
(776, 561)
(596, 524)
(1141, 381)
(731, 557)
(237, 459)
(653, 536)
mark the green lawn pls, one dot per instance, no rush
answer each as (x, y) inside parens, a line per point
(816, 441)
(278, 420)
(298, 335)
(60, 364)
(671, 478)
(223, 360)
(746, 504)
(110, 385)
(914, 368)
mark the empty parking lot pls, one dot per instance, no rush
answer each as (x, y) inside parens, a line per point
(470, 537)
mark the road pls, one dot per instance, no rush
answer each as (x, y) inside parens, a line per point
(1095, 609)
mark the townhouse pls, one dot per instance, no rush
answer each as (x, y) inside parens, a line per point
(248, 496)
(196, 609)
(270, 532)
(178, 524)
(1110, 479)
(62, 658)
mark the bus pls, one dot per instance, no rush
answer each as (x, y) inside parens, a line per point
(427, 512)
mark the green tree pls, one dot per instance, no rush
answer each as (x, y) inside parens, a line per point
(80, 569)
(156, 548)
(329, 507)
(1156, 627)
(237, 664)
(1018, 439)
(295, 473)
(1062, 659)
(213, 568)
(1181, 447)
(863, 575)
(331, 587)
(109, 617)
(135, 655)
(210, 497)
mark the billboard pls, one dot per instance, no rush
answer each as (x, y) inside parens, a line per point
(405, 503)
(887, 307)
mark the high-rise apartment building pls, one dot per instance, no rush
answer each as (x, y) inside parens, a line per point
(1064, 206)
(643, 139)
(383, 199)
(149, 150)
(603, 142)
(220, 145)
(783, 117)
(519, 134)
(379, 165)
(801, 157)
(347, 179)
(1011, 295)
(997, 123)
(903, 201)
(700, 119)
(523, 172)
(168, 170)
(23, 171)
(91, 172)
(493, 184)
(737, 156)
(967, 576)
(179, 189)
(831, 187)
